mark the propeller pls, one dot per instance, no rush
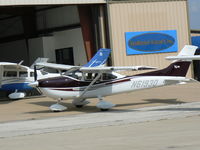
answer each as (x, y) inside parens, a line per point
(35, 83)
(35, 72)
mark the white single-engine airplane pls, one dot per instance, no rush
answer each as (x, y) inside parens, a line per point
(98, 82)
(14, 77)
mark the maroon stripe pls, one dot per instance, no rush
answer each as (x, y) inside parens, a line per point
(64, 89)
(119, 81)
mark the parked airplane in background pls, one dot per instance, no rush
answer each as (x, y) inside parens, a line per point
(16, 77)
(98, 82)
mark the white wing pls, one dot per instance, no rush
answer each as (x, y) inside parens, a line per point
(110, 69)
(100, 69)
(9, 65)
(58, 66)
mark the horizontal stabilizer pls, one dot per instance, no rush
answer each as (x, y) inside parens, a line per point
(186, 54)
(186, 58)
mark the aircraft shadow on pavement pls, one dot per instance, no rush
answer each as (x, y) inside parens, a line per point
(153, 101)
(89, 108)
(7, 100)
(71, 107)
(177, 109)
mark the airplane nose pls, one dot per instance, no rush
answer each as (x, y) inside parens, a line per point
(33, 84)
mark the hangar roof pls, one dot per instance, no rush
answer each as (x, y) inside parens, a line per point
(55, 2)
(48, 2)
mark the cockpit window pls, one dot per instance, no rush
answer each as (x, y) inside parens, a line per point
(44, 72)
(77, 75)
(10, 74)
(91, 76)
(23, 74)
(104, 76)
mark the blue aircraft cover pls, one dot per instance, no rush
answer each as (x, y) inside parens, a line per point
(99, 58)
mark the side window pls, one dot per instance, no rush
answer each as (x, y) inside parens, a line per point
(90, 76)
(31, 74)
(10, 74)
(107, 76)
(23, 74)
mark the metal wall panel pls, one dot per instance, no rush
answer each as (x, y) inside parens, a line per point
(58, 17)
(47, 2)
(147, 16)
(11, 26)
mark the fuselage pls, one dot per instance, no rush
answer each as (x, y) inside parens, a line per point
(66, 87)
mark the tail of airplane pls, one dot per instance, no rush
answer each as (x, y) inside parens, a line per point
(179, 66)
(99, 58)
(39, 60)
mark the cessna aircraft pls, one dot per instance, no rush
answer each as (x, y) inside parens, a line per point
(98, 82)
(14, 78)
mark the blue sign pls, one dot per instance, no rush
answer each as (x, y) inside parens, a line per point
(151, 42)
(196, 41)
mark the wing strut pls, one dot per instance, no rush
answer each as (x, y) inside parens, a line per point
(90, 85)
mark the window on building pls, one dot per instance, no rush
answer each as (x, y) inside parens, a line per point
(65, 56)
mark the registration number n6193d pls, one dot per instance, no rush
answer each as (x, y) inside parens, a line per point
(144, 83)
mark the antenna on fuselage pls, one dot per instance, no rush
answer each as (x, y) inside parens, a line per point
(20, 62)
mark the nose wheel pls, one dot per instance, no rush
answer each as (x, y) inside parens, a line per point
(104, 105)
(57, 107)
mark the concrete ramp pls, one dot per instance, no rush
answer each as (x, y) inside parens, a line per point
(91, 120)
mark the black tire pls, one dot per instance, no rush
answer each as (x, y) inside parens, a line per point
(79, 106)
(104, 109)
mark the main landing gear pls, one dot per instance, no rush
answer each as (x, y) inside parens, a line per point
(80, 103)
(58, 107)
(104, 105)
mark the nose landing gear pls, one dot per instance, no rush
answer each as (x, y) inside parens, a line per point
(104, 105)
(57, 107)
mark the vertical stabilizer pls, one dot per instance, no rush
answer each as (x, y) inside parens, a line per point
(188, 50)
(99, 58)
(179, 66)
(39, 60)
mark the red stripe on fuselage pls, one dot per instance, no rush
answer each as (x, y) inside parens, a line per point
(119, 81)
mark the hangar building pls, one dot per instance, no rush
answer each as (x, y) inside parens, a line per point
(139, 32)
